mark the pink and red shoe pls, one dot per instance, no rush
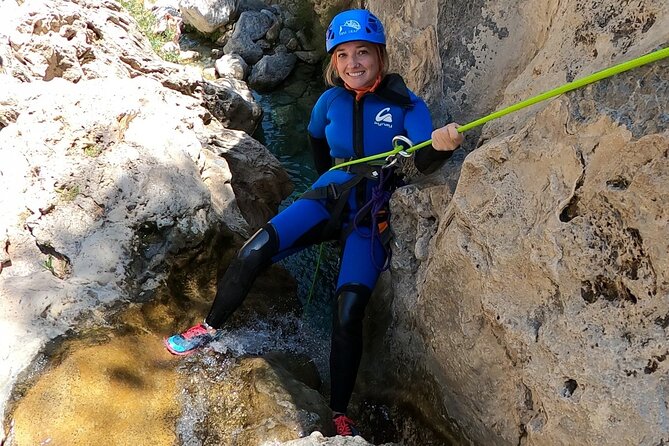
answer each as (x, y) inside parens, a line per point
(190, 340)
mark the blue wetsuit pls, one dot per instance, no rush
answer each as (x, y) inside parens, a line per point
(344, 128)
(341, 127)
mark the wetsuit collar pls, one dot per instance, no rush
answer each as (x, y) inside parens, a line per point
(360, 92)
(391, 88)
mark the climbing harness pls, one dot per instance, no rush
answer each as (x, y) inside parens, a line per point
(390, 156)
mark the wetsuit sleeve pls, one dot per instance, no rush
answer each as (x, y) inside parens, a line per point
(427, 159)
(321, 152)
(320, 148)
(418, 124)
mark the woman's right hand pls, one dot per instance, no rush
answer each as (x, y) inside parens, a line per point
(447, 138)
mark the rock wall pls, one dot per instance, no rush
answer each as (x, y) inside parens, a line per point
(528, 305)
(113, 172)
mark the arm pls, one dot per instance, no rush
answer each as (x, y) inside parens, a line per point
(428, 159)
(320, 149)
(418, 124)
(321, 153)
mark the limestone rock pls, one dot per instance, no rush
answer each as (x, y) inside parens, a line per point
(231, 65)
(109, 177)
(531, 306)
(208, 16)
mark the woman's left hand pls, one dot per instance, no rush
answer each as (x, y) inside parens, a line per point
(447, 138)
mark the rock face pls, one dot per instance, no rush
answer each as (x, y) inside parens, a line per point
(113, 172)
(208, 15)
(528, 305)
(530, 302)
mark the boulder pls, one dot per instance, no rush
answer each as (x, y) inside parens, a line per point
(207, 16)
(271, 71)
(231, 65)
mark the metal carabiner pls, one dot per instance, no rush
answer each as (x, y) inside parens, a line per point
(390, 162)
(398, 142)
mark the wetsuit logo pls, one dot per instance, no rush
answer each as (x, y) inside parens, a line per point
(384, 118)
(349, 26)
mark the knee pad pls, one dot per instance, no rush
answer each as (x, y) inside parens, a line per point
(258, 251)
(352, 300)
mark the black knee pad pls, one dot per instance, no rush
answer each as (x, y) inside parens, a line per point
(352, 300)
(258, 251)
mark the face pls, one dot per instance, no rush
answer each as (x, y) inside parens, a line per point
(357, 63)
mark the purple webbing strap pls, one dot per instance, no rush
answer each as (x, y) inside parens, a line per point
(380, 198)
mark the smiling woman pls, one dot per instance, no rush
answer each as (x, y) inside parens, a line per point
(358, 64)
(361, 115)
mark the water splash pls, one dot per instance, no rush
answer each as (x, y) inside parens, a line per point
(193, 413)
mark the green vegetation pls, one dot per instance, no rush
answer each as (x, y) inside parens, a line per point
(68, 194)
(92, 150)
(48, 265)
(147, 23)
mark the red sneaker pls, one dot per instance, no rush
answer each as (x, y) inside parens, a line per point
(189, 341)
(344, 426)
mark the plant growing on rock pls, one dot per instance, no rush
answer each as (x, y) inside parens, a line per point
(147, 23)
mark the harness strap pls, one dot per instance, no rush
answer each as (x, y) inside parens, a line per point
(333, 191)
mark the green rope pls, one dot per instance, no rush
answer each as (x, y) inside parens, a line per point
(595, 77)
(318, 267)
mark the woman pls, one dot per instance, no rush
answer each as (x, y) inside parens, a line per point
(358, 117)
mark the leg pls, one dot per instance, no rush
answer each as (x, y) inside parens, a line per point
(357, 278)
(296, 227)
(232, 288)
(293, 229)
(346, 348)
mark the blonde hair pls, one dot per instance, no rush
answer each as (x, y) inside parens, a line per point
(332, 77)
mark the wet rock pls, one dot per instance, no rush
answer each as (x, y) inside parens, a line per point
(317, 439)
(259, 401)
(271, 71)
(93, 393)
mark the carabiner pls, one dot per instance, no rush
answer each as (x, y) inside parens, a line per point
(390, 162)
(397, 142)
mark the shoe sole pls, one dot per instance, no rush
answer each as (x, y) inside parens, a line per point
(174, 352)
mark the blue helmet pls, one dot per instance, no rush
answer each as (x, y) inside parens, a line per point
(354, 24)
